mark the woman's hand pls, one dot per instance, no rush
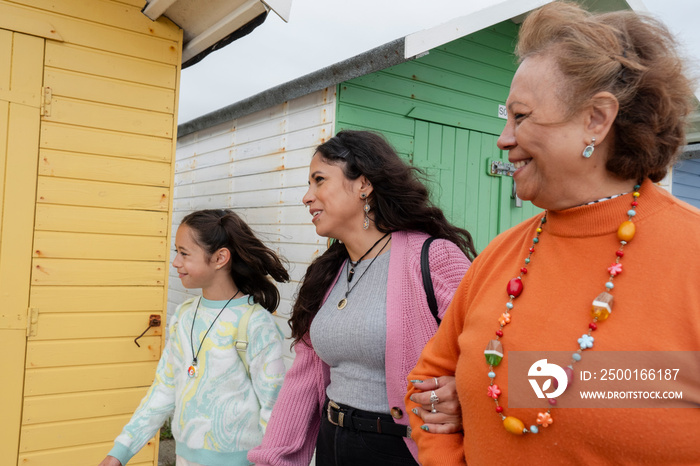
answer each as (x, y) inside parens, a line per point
(443, 416)
(110, 461)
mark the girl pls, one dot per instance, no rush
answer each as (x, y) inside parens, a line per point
(219, 411)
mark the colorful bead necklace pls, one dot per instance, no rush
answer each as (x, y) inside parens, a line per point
(601, 310)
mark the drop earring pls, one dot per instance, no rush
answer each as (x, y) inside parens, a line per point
(588, 151)
(365, 222)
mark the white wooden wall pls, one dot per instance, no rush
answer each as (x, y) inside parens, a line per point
(257, 165)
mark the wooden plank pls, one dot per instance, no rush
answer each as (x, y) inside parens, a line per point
(109, 91)
(92, 351)
(108, 13)
(110, 65)
(18, 21)
(97, 272)
(100, 194)
(18, 214)
(99, 220)
(55, 326)
(85, 455)
(110, 117)
(92, 246)
(103, 168)
(96, 141)
(27, 66)
(67, 379)
(79, 32)
(12, 344)
(71, 433)
(5, 58)
(71, 406)
(97, 298)
(4, 129)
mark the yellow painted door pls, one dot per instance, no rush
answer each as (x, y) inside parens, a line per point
(21, 74)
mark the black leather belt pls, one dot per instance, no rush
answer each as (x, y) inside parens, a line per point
(342, 417)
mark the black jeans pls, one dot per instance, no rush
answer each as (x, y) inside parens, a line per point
(342, 446)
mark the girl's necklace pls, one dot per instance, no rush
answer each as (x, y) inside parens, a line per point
(352, 265)
(601, 310)
(344, 302)
(192, 371)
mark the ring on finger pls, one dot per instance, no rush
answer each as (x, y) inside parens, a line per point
(434, 398)
(436, 382)
(433, 410)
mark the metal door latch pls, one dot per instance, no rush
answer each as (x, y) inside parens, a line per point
(500, 168)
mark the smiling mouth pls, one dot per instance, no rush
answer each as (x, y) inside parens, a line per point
(521, 163)
(315, 215)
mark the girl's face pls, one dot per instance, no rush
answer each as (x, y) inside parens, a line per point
(334, 201)
(195, 267)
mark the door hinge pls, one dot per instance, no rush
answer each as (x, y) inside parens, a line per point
(500, 168)
(46, 96)
(32, 321)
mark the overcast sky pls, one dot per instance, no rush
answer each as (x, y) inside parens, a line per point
(323, 32)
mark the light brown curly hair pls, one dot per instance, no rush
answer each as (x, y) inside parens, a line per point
(632, 56)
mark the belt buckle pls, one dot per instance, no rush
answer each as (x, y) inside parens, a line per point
(333, 405)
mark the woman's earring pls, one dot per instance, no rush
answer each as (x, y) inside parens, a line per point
(588, 151)
(365, 222)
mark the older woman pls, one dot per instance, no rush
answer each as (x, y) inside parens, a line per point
(361, 317)
(595, 116)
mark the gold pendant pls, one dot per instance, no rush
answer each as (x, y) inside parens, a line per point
(342, 303)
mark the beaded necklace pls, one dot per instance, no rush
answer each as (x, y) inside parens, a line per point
(601, 310)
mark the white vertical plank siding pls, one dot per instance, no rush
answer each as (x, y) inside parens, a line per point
(257, 165)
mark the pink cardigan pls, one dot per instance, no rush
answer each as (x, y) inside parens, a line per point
(291, 434)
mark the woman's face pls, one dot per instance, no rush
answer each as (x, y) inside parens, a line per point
(542, 141)
(334, 201)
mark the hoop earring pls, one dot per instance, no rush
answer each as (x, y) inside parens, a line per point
(588, 151)
(366, 208)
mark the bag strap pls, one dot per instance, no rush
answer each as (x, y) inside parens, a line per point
(427, 279)
(241, 342)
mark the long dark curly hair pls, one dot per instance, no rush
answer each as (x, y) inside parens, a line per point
(251, 261)
(399, 201)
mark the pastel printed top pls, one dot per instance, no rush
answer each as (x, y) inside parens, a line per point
(222, 413)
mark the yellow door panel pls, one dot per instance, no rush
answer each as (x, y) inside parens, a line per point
(47, 381)
(99, 194)
(71, 433)
(99, 220)
(110, 117)
(96, 299)
(103, 142)
(110, 65)
(100, 168)
(97, 272)
(73, 406)
(110, 91)
(65, 326)
(109, 14)
(53, 244)
(94, 351)
(76, 31)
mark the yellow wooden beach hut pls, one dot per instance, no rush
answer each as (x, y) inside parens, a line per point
(88, 102)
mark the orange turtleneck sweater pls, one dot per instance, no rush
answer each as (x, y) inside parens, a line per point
(656, 308)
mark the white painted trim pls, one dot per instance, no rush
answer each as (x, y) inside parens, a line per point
(428, 39)
(281, 7)
(155, 8)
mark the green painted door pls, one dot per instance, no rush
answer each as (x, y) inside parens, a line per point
(457, 162)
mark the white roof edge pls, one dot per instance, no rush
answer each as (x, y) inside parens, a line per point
(423, 41)
(281, 7)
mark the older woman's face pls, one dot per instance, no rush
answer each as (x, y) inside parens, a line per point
(544, 144)
(334, 201)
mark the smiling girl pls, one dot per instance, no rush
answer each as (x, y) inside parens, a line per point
(219, 410)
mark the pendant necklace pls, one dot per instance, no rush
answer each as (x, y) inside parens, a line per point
(192, 370)
(601, 309)
(352, 265)
(344, 302)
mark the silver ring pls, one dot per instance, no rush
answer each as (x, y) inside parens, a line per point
(433, 410)
(436, 382)
(434, 398)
